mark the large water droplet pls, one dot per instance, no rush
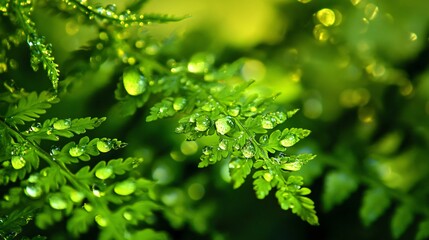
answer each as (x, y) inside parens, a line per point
(202, 123)
(268, 176)
(200, 63)
(223, 144)
(234, 111)
(289, 141)
(101, 221)
(267, 123)
(371, 11)
(104, 146)
(33, 191)
(292, 166)
(104, 172)
(76, 151)
(125, 188)
(248, 150)
(134, 82)
(62, 124)
(224, 125)
(179, 103)
(18, 162)
(76, 196)
(326, 17)
(57, 202)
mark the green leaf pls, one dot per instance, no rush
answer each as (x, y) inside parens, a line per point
(338, 187)
(423, 231)
(162, 109)
(401, 220)
(375, 202)
(30, 107)
(262, 187)
(239, 169)
(80, 221)
(149, 234)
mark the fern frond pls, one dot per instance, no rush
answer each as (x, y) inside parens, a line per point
(40, 51)
(30, 107)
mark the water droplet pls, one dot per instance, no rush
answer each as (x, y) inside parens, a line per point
(62, 124)
(111, 7)
(101, 221)
(267, 123)
(54, 150)
(224, 125)
(104, 172)
(127, 215)
(320, 33)
(104, 146)
(125, 188)
(263, 139)
(234, 111)
(413, 37)
(248, 151)
(293, 166)
(34, 178)
(18, 162)
(371, 11)
(268, 176)
(200, 63)
(202, 123)
(76, 196)
(355, 2)
(326, 17)
(223, 144)
(179, 103)
(88, 207)
(35, 127)
(76, 151)
(134, 82)
(207, 150)
(57, 202)
(289, 141)
(33, 191)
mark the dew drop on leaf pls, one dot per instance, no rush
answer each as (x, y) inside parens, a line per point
(202, 123)
(127, 215)
(289, 141)
(101, 221)
(54, 150)
(200, 63)
(326, 17)
(35, 127)
(223, 144)
(234, 111)
(248, 151)
(134, 82)
(76, 151)
(267, 123)
(76, 196)
(62, 124)
(18, 162)
(179, 103)
(104, 172)
(207, 150)
(224, 125)
(268, 176)
(103, 146)
(125, 188)
(293, 166)
(33, 191)
(57, 202)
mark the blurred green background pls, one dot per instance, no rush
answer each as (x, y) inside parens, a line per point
(358, 70)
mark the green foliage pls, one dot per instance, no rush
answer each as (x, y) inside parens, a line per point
(68, 183)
